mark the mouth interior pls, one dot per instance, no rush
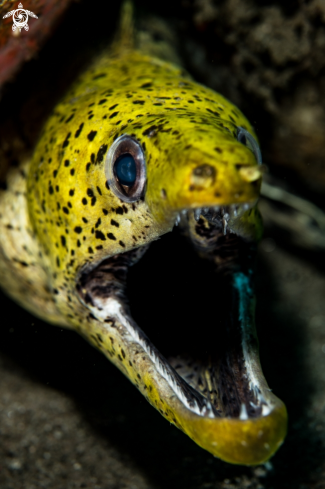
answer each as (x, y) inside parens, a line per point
(190, 313)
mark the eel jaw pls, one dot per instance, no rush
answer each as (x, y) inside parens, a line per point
(243, 423)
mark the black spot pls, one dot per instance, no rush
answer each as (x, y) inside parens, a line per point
(213, 112)
(92, 157)
(72, 171)
(138, 102)
(98, 223)
(93, 200)
(51, 190)
(218, 150)
(84, 201)
(78, 243)
(119, 210)
(67, 163)
(100, 75)
(100, 235)
(90, 250)
(78, 131)
(106, 185)
(146, 85)
(63, 240)
(91, 135)
(66, 141)
(105, 212)
(122, 244)
(90, 117)
(100, 155)
(70, 118)
(55, 173)
(114, 223)
(78, 229)
(65, 210)
(84, 220)
(99, 247)
(57, 188)
(71, 192)
(90, 193)
(151, 131)
(111, 236)
(58, 261)
(102, 101)
(113, 107)
(113, 115)
(99, 190)
(70, 205)
(88, 166)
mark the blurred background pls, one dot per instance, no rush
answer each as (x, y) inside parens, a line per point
(68, 418)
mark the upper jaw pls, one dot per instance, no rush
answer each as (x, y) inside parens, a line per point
(220, 215)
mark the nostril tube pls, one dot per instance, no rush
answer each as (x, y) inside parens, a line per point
(203, 176)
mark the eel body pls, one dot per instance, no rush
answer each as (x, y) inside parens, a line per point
(134, 148)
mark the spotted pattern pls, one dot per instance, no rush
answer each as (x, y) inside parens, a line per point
(71, 218)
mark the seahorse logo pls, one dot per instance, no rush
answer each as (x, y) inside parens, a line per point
(20, 18)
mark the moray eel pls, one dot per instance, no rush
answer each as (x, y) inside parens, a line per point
(133, 149)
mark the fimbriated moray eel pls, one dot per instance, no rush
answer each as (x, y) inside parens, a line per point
(133, 149)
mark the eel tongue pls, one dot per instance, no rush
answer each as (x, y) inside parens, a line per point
(241, 435)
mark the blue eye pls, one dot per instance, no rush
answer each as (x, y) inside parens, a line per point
(247, 139)
(125, 170)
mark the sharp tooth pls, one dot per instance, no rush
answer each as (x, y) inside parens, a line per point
(216, 208)
(243, 412)
(197, 213)
(225, 223)
(205, 210)
(184, 212)
(178, 218)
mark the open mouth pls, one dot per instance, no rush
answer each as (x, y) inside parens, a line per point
(195, 305)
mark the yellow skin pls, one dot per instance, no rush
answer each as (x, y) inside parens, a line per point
(73, 221)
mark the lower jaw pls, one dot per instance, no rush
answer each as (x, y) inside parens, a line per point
(204, 326)
(227, 407)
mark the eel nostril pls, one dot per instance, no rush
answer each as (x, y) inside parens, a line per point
(204, 171)
(203, 175)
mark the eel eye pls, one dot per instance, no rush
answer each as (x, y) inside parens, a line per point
(125, 169)
(247, 139)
